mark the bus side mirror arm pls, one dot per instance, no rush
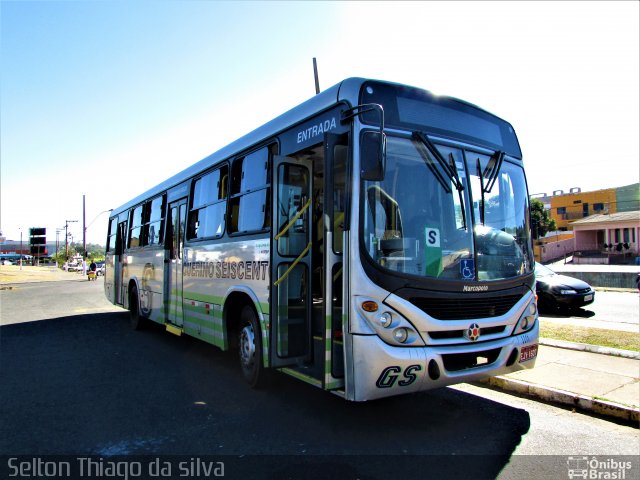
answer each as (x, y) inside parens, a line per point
(373, 145)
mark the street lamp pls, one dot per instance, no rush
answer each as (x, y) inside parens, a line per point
(84, 231)
(85, 226)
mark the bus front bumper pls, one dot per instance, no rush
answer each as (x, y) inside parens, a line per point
(384, 370)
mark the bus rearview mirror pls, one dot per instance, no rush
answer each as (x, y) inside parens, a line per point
(373, 151)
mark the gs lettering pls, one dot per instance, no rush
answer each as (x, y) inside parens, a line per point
(390, 375)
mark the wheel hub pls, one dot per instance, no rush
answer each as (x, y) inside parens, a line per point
(247, 346)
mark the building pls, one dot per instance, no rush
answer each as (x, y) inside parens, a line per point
(611, 238)
(628, 198)
(553, 246)
(17, 247)
(566, 208)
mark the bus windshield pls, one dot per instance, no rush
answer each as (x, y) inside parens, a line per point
(447, 212)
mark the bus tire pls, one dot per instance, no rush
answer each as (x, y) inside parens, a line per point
(250, 349)
(136, 321)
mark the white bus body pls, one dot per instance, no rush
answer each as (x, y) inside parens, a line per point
(372, 241)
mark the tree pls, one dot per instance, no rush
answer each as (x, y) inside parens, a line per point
(541, 222)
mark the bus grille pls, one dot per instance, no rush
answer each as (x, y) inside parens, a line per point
(466, 309)
(458, 334)
(454, 362)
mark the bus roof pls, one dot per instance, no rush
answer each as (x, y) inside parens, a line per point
(346, 90)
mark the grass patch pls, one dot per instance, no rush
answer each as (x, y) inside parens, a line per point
(592, 336)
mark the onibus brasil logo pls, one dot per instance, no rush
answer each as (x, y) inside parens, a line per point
(595, 468)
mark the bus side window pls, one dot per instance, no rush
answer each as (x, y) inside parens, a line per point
(249, 210)
(208, 205)
(136, 227)
(154, 221)
(111, 239)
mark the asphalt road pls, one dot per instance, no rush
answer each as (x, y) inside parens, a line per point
(27, 302)
(610, 310)
(83, 383)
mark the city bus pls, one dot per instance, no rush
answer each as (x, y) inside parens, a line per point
(372, 241)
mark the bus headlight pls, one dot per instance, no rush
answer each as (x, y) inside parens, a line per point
(400, 335)
(385, 319)
(528, 319)
(389, 325)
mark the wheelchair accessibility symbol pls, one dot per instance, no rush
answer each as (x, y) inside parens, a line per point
(467, 269)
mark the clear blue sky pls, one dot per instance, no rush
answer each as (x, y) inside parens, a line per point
(107, 99)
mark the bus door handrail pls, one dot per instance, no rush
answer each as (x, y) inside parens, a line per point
(293, 264)
(293, 220)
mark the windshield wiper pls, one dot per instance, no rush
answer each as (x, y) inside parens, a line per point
(460, 188)
(493, 169)
(417, 136)
(450, 171)
(491, 172)
(481, 209)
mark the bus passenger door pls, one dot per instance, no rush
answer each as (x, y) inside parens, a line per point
(173, 274)
(290, 335)
(118, 270)
(335, 207)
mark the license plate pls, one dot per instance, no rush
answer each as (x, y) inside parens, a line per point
(588, 298)
(529, 352)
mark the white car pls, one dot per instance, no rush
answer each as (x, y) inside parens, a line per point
(101, 268)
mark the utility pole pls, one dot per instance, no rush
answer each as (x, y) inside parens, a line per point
(315, 75)
(58, 231)
(66, 237)
(84, 230)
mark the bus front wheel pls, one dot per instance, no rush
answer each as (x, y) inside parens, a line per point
(250, 346)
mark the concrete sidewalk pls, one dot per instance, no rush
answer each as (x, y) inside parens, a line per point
(14, 275)
(596, 379)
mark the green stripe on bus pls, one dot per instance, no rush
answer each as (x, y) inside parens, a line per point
(212, 312)
(217, 326)
(203, 297)
(218, 342)
(302, 376)
(214, 299)
(333, 385)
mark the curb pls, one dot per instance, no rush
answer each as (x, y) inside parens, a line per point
(614, 289)
(585, 347)
(18, 284)
(563, 397)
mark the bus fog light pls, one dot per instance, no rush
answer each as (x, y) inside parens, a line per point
(385, 319)
(400, 334)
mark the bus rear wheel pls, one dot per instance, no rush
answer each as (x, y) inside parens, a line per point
(136, 321)
(250, 349)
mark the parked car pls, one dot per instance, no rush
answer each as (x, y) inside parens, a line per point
(73, 267)
(100, 268)
(560, 291)
(4, 261)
